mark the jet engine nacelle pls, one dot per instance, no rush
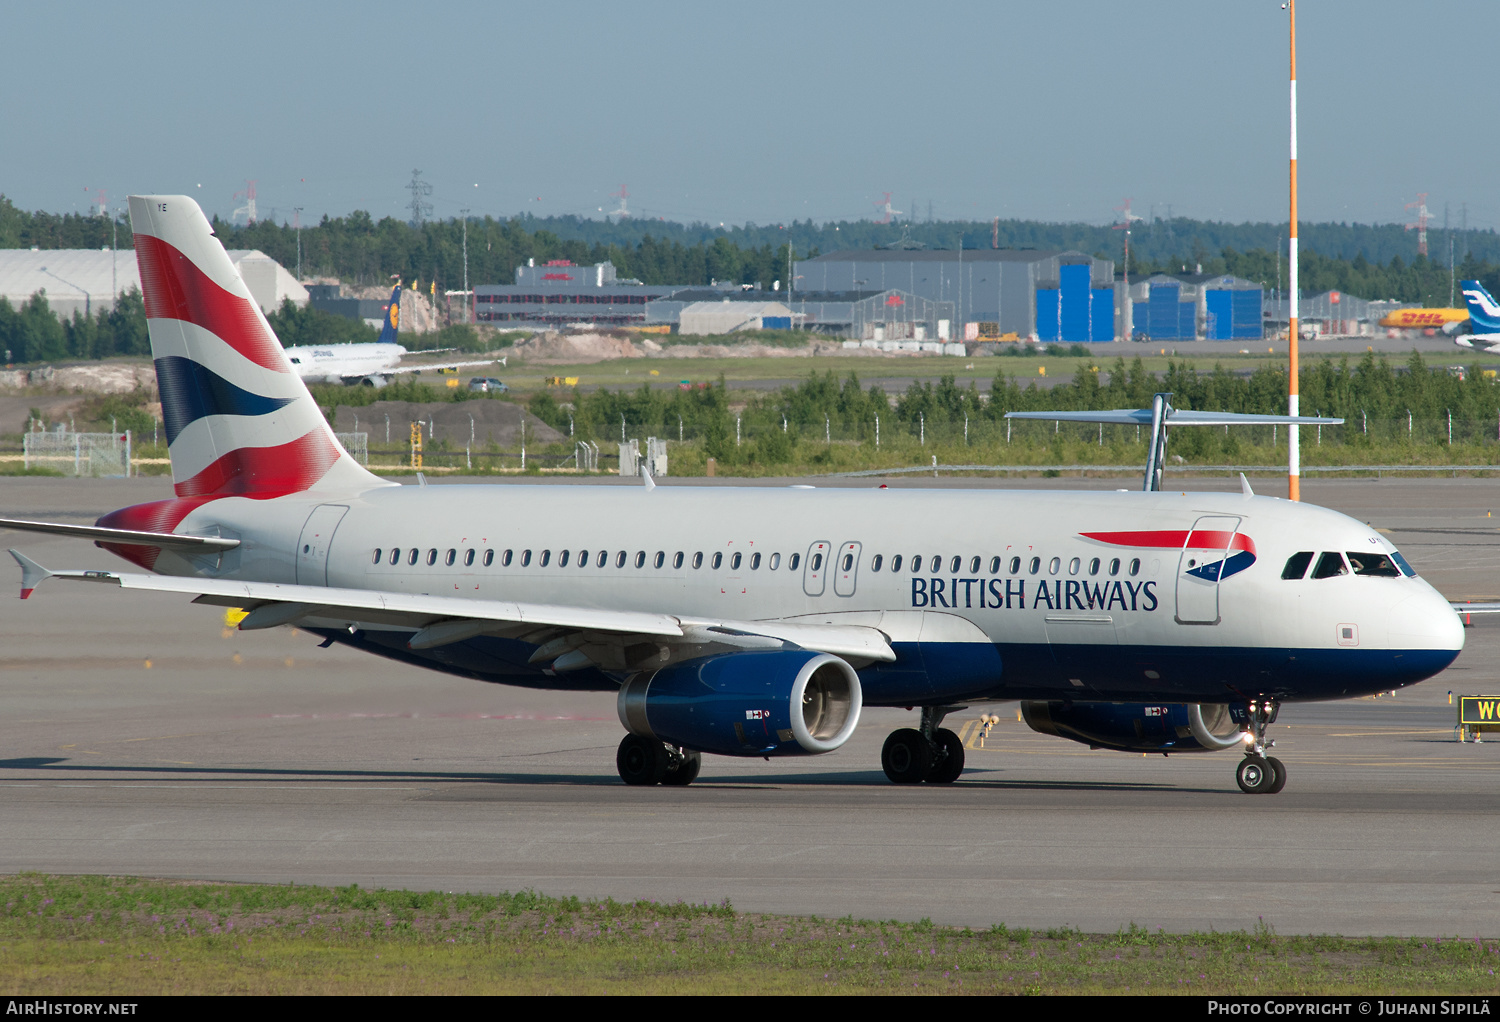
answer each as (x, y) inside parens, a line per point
(375, 380)
(1140, 727)
(773, 703)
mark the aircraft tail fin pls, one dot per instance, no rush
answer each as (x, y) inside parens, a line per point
(392, 317)
(239, 421)
(1484, 311)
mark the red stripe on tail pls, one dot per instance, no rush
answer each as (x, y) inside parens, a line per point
(175, 288)
(157, 516)
(263, 472)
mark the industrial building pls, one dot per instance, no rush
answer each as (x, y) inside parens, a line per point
(1333, 313)
(726, 317)
(87, 281)
(1173, 307)
(559, 294)
(862, 315)
(1049, 295)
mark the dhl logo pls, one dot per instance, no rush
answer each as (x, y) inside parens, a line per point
(1424, 317)
(1479, 710)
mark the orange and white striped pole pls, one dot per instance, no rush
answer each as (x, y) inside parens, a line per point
(1294, 446)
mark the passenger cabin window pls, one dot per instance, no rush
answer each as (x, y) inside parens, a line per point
(955, 564)
(562, 558)
(875, 562)
(1054, 567)
(544, 559)
(734, 563)
(676, 560)
(661, 558)
(1330, 565)
(640, 558)
(793, 561)
(1074, 565)
(848, 562)
(995, 565)
(1114, 565)
(698, 560)
(505, 559)
(1015, 565)
(450, 557)
(432, 557)
(395, 554)
(1135, 566)
(973, 565)
(412, 555)
(1296, 565)
(916, 563)
(468, 558)
(619, 560)
(1373, 564)
(379, 553)
(717, 560)
(755, 562)
(1094, 566)
(489, 557)
(1035, 565)
(525, 558)
(896, 563)
(817, 562)
(775, 562)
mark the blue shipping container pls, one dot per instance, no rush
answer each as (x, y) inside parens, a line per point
(775, 322)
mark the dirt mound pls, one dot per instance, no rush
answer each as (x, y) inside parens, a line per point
(91, 378)
(497, 421)
(574, 348)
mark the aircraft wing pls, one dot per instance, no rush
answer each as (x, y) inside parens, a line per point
(1489, 343)
(434, 366)
(569, 637)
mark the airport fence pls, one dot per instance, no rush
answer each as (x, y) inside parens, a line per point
(78, 454)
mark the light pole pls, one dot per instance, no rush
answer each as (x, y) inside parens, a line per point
(1294, 449)
(298, 211)
(465, 213)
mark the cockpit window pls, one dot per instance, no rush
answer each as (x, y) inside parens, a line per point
(1329, 565)
(1377, 565)
(1406, 569)
(1296, 565)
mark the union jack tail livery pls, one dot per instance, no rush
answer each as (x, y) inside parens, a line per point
(239, 421)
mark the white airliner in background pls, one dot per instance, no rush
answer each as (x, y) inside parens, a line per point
(370, 364)
(749, 621)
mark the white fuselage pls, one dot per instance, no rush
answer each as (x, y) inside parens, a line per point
(334, 363)
(1070, 615)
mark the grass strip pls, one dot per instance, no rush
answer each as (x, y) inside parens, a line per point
(131, 936)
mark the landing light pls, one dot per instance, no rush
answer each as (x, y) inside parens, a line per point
(1247, 738)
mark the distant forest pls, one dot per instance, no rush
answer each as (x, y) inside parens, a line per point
(1370, 261)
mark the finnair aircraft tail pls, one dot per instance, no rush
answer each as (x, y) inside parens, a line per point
(239, 421)
(1484, 318)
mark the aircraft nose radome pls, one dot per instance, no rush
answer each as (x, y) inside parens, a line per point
(1426, 621)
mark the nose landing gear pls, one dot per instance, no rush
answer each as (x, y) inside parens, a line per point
(1259, 774)
(932, 753)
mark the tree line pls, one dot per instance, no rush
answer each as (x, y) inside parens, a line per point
(1370, 261)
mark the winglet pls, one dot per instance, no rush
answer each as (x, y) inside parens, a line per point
(32, 573)
(1245, 486)
(646, 477)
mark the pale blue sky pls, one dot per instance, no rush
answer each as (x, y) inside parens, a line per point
(765, 112)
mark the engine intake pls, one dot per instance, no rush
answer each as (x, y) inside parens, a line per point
(1139, 727)
(775, 703)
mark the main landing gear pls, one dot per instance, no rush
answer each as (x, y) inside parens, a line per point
(932, 753)
(1259, 774)
(646, 761)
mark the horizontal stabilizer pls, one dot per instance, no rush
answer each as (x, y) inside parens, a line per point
(1177, 417)
(166, 540)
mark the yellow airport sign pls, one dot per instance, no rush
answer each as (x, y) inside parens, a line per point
(1478, 710)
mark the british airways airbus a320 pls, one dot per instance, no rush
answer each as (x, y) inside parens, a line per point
(752, 622)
